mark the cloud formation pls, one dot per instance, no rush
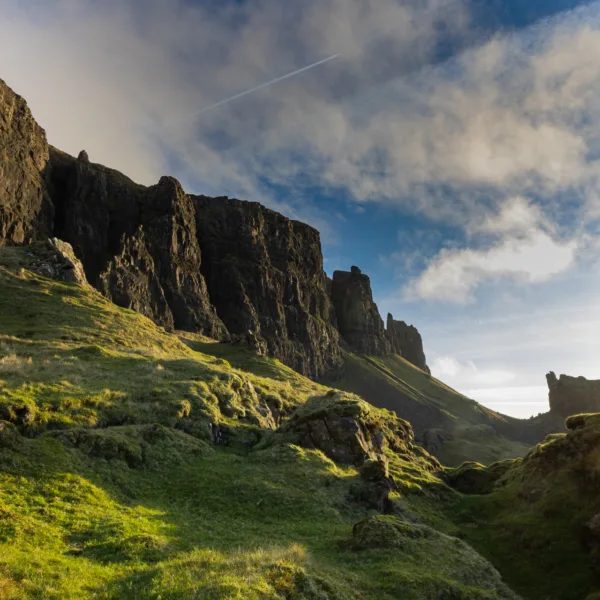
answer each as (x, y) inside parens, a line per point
(524, 250)
(516, 116)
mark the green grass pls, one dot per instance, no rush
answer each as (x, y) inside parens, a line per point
(531, 527)
(111, 486)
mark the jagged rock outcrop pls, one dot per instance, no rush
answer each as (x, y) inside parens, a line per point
(357, 315)
(572, 395)
(55, 259)
(265, 275)
(26, 211)
(350, 431)
(406, 341)
(138, 245)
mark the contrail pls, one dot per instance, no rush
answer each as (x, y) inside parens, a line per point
(263, 85)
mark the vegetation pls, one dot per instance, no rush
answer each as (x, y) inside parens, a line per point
(475, 432)
(537, 524)
(136, 463)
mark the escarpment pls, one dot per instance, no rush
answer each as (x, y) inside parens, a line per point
(406, 341)
(265, 274)
(138, 244)
(26, 211)
(226, 268)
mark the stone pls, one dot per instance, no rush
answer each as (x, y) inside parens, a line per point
(264, 274)
(375, 486)
(572, 395)
(407, 342)
(350, 431)
(26, 210)
(357, 314)
(473, 478)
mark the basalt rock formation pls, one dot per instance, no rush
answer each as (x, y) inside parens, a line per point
(25, 208)
(358, 318)
(138, 245)
(265, 275)
(406, 341)
(155, 249)
(572, 395)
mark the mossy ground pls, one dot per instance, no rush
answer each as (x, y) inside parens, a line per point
(532, 524)
(111, 485)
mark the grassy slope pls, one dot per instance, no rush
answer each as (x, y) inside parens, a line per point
(116, 490)
(532, 525)
(395, 384)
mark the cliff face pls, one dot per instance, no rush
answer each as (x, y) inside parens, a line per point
(155, 250)
(573, 395)
(358, 318)
(138, 245)
(406, 341)
(225, 268)
(265, 275)
(25, 208)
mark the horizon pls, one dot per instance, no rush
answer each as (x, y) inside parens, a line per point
(451, 153)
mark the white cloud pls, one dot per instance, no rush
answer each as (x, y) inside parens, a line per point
(516, 216)
(517, 115)
(464, 374)
(454, 275)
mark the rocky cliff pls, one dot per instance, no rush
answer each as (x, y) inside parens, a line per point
(573, 395)
(26, 211)
(358, 317)
(265, 275)
(406, 341)
(138, 245)
(230, 269)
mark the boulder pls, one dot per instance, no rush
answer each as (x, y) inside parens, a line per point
(55, 259)
(26, 211)
(474, 478)
(357, 315)
(457, 570)
(375, 485)
(350, 431)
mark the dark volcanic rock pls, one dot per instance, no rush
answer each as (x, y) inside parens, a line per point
(26, 211)
(358, 318)
(265, 275)
(573, 395)
(138, 245)
(55, 259)
(406, 341)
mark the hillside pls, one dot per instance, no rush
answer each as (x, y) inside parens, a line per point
(191, 409)
(451, 426)
(133, 466)
(538, 518)
(237, 272)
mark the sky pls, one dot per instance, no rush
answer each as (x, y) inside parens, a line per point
(449, 148)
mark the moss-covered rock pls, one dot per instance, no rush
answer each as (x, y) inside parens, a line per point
(350, 431)
(458, 572)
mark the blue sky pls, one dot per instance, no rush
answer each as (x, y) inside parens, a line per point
(451, 150)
